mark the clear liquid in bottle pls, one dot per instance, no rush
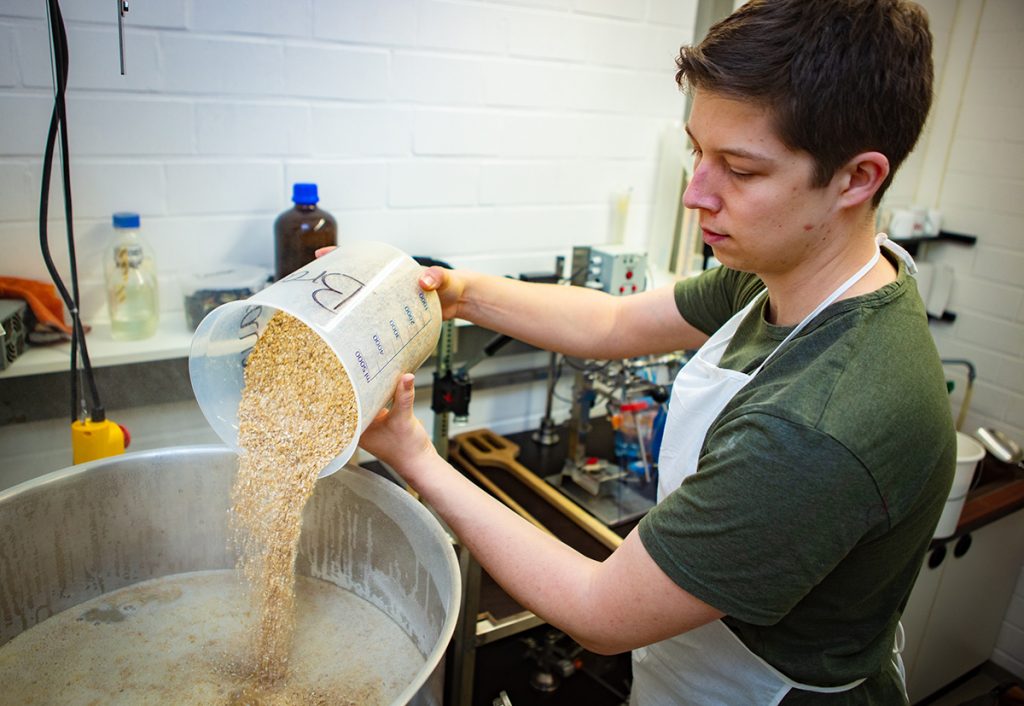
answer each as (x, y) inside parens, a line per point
(132, 292)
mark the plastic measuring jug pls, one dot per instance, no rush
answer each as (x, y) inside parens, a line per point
(363, 299)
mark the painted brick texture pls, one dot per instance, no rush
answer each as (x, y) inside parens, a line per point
(454, 129)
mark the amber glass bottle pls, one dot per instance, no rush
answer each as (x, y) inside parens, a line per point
(300, 230)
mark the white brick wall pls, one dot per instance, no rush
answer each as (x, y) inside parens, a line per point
(981, 193)
(490, 133)
(449, 128)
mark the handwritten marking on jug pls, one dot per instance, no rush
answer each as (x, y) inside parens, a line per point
(249, 327)
(250, 321)
(337, 287)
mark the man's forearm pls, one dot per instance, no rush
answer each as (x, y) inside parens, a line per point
(571, 320)
(543, 574)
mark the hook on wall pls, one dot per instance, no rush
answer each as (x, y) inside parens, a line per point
(122, 10)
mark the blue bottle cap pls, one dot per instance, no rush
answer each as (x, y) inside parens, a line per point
(126, 220)
(304, 194)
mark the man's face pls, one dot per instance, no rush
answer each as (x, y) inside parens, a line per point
(758, 209)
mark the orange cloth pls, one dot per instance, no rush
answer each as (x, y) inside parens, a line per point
(41, 297)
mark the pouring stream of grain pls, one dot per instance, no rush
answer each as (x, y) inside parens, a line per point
(298, 411)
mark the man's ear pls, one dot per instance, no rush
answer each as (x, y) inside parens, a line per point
(862, 177)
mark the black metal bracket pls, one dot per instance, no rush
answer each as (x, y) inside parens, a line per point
(943, 236)
(451, 394)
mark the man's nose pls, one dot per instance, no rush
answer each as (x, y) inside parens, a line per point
(699, 193)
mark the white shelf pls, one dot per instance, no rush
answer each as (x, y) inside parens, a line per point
(172, 340)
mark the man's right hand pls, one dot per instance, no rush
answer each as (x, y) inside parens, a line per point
(449, 285)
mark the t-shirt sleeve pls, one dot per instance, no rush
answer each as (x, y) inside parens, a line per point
(708, 300)
(774, 506)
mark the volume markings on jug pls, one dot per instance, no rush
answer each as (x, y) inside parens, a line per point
(383, 357)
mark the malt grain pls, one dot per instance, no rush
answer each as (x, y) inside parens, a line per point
(298, 411)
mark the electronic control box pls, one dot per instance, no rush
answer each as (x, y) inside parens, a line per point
(13, 330)
(617, 269)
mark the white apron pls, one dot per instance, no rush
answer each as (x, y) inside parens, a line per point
(710, 666)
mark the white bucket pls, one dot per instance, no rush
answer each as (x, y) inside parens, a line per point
(363, 299)
(968, 453)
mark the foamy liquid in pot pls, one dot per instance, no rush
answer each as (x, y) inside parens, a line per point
(260, 635)
(186, 639)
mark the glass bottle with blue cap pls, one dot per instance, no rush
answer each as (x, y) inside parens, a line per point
(132, 290)
(301, 230)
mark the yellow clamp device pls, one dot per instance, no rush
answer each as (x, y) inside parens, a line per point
(92, 440)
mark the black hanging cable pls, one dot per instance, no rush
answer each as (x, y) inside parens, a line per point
(62, 60)
(96, 411)
(59, 79)
(58, 120)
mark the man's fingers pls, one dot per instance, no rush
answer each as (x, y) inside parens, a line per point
(432, 277)
(405, 395)
(320, 252)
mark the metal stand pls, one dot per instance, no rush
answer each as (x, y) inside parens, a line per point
(546, 434)
(445, 347)
(583, 396)
(602, 489)
(460, 682)
(623, 504)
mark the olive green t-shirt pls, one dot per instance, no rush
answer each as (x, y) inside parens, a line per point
(818, 487)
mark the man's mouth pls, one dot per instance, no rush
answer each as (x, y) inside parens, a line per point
(711, 237)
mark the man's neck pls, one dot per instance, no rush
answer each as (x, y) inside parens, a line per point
(795, 293)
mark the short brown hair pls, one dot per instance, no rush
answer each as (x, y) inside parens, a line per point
(840, 76)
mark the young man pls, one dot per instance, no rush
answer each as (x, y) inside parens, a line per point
(810, 446)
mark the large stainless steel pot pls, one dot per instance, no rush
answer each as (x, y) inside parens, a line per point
(75, 534)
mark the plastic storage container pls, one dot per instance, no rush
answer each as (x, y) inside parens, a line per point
(130, 272)
(301, 230)
(205, 291)
(363, 299)
(632, 449)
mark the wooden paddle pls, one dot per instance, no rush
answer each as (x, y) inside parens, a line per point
(485, 448)
(454, 452)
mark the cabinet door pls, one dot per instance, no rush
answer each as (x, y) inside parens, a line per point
(919, 606)
(977, 582)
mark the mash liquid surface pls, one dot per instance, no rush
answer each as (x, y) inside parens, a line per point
(187, 639)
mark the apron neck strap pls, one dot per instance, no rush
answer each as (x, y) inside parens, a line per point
(880, 239)
(899, 251)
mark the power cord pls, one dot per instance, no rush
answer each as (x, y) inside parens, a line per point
(58, 123)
